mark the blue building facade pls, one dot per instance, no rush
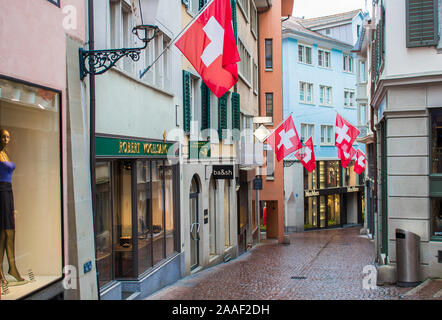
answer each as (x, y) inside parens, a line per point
(319, 81)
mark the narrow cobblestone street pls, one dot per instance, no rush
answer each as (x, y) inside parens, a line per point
(316, 265)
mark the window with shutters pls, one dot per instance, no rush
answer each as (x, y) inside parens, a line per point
(234, 19)
(205, 107)
(422, 23)
(236, 115)
(222, 116)
(187, 101)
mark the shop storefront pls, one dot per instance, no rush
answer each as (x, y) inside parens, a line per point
(137, 217)
(31, 250)
(333, 196)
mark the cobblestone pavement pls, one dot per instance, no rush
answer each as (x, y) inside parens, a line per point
(316, 265)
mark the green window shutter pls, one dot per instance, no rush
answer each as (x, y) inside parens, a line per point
(186, 102)
(205, 107)
(236, 115)
(222, 115)
(421, 23)
(235, 24)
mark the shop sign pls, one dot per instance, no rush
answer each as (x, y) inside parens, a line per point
(257, 184)
(311, 193)
(352, 189)
(199, 149)
(223, 172)
(114, 147)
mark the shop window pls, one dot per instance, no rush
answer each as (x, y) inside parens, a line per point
(436, 140)
(310, 180)
(333, 210)
(103, 222)
(140, 197)
(351, 177)
(144, 202)
(30, 188)
(436, 217)
(310, 216)
(157, 212)
(333, 174)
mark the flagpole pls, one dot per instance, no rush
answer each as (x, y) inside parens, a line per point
(175, 39)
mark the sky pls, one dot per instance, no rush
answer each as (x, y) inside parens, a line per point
(318, 8)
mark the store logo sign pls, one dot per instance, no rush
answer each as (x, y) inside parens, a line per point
(222, 172)
(311, 193)
(352, 189)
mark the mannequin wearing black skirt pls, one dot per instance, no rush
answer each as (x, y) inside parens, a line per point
(7, 219)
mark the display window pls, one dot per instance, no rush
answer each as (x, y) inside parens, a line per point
(436, 217)
(334, 210)
(351, 177)
(31, 254)
(136, 216)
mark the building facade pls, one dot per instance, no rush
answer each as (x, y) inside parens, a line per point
(319, 81)
(137, 218)
(271, 197)
(406, 102)
(43, 110)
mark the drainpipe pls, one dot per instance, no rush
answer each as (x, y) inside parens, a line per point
(375, 155)
(92, 122)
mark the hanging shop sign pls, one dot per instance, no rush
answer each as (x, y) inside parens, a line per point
(115, 147)
(199, 149)
(257, 184)
(223, 172)
(352, 189)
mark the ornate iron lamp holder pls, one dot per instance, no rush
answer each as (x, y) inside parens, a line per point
(99, 61)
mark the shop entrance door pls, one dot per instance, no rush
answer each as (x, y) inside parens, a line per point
(194, 225)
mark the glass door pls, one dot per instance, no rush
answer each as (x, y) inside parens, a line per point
(194, 225)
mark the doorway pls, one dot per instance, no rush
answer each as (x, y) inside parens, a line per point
(194, 223)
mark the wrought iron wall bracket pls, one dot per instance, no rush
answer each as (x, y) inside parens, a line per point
(99, 61)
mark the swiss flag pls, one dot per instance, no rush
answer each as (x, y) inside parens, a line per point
(307, 157)
(345, 133)
(360, 162)
(209, 45)
(345, 156)
(284, 140)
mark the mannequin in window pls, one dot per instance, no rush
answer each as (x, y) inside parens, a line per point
(7, 212)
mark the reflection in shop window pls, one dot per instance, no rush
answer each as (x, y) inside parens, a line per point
(169, 209)
(144, 216)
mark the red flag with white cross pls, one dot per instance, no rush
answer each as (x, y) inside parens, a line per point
(307, 156)
(360, 162)
(345, 133)
(284, 140)
(209, 45)
(346, 156)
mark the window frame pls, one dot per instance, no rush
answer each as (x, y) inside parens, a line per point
(350, 62)
(325, 89)
(301, 58)
(351, 93)
(325, 137)
(324, 52)
(268, 41)
(307, 126)
(254, 19)
(243, 10)
(304, 85)
(243, 62)
(269, 94)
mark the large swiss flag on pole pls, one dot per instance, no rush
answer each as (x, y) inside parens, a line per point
(284, 140)
(209, 45)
